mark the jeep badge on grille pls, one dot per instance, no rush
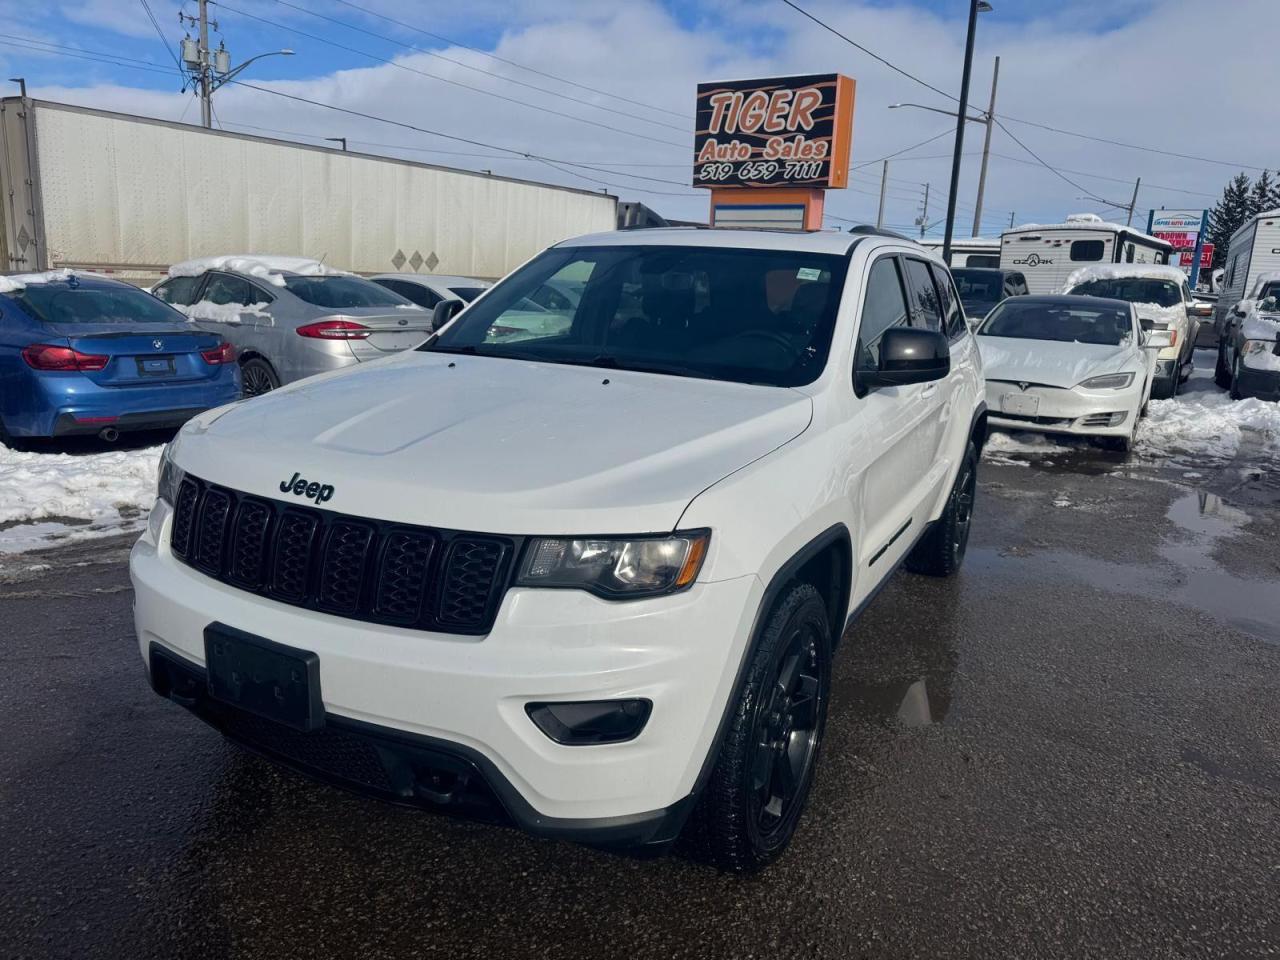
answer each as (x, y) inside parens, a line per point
(299, 486)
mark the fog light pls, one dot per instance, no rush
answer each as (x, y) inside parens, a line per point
(592, 721)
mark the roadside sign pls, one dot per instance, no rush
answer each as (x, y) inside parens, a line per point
(1176, 221)
(1185, 231)
(776, 132)
(1206, 256)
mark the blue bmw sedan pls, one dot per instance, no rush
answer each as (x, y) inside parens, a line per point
(84, 354)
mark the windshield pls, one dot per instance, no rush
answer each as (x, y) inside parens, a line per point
(1270, 290)
(342, 292)
(752, 316)
(1163, 293)
(59, 303)
(1018, 319)
(979, 289)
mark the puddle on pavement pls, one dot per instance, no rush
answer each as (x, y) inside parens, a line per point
(1192, 577)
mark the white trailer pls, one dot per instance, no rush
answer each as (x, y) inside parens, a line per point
(129, 195)
(1253, 250)
(1047, 254)
(970, 251)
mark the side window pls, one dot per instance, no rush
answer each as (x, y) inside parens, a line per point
(952, 316)
(1128, 253)
(224, 288)
(884, 305)
(925, 310)
(180, 291)
(1018, 285)
(413, 292)
(1087, 250)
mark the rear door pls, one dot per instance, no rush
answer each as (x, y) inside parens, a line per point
(927, 313)
(227, 301)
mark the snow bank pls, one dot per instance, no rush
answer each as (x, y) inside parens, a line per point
(1207, 425)
(95, 487)
(1119, 271)
(223, 312)
(264, 266)
(19, 281)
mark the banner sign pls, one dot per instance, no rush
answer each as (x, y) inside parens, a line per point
(1176, 221)
(782, 131)
(1185, 230)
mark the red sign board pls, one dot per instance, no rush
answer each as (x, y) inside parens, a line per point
(1206, 256)
(1180, 241)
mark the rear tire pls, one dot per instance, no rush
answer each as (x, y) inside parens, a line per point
(257, 377)
(941, 551)
(750, 807)
(1234, 392)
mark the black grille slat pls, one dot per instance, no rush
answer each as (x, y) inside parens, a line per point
(353, 567)
(246, 565)
(342, 568)
(403, 576)
(211, 529)
(184, 517)
(472, 570)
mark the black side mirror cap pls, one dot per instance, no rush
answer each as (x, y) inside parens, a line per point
(443, 312)
(909, 356)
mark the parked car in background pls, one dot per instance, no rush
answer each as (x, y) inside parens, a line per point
(426, 290)
(981, 289)
(85, 354)
(290, 317)
(592, 581)
(1251, 351)
(1163, 300)
(1068, 364)
(1232, 321)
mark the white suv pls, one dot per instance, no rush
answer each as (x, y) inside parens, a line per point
(587, 581)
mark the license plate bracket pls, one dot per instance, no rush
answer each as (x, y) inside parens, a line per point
(1019, 404)
(262, 677)
(156, 367)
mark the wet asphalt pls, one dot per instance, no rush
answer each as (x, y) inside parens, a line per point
(1072, 749)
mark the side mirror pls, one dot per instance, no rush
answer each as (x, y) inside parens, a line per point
(908, 356)
(1159, 339)
(443, 313)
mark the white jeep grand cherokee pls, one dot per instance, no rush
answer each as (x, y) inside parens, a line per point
(586, 578)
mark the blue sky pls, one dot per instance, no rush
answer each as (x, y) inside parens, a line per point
(1079, 64)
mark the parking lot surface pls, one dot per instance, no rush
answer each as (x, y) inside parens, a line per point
(1070, 750)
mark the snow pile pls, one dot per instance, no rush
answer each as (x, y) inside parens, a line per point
(20, 281)
(223, 312)
(1266, 328)
(1120, 271)
(1013, 448)
(1207, 425)
(264, 266)
(112, 486)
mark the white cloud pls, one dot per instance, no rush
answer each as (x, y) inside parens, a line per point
(1140, 82)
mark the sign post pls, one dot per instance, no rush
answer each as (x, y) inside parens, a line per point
(1185, 229)
(769, 149)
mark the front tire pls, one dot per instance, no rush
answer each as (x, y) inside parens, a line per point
(1234, 392)
(1221, 370)
(941, 551)
(749, 810)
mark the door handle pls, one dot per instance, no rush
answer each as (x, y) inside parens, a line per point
(929, 390)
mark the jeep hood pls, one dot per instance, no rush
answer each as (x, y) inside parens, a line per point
(494, 445)
(1055, 364)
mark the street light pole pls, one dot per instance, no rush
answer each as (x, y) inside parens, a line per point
(960, 122)
(884, 187)
(986, 150)
(206, 84)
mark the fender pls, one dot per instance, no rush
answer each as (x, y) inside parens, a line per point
(838, 533)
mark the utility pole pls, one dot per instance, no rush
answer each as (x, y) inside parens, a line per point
(1012, 213)
(884, 186)
(974, 7)
(1134, 202)
(206, 87)
(923, 220)
(210, 69)
(986, 150)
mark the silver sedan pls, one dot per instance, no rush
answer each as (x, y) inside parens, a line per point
(428, 289)
(287, 325)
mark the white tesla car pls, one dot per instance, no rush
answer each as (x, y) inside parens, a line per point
(1066, 364)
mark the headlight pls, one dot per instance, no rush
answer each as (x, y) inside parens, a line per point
(1109, 381)
(1253, 347)
(170, 478)
(615, 569)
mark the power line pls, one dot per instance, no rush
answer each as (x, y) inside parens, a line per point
(1031, 123)
(164, 41)
(1057, 173)
(890, 156)
(27, 43)
(456, 83)
(487, 73)
(512, 63)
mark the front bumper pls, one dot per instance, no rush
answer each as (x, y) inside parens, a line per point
(1095, 413)
(465, 697)
(1263, 384)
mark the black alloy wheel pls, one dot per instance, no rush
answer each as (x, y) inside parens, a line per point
(786, 733)
(257, 378)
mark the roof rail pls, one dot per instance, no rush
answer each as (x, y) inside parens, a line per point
(867, 230)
